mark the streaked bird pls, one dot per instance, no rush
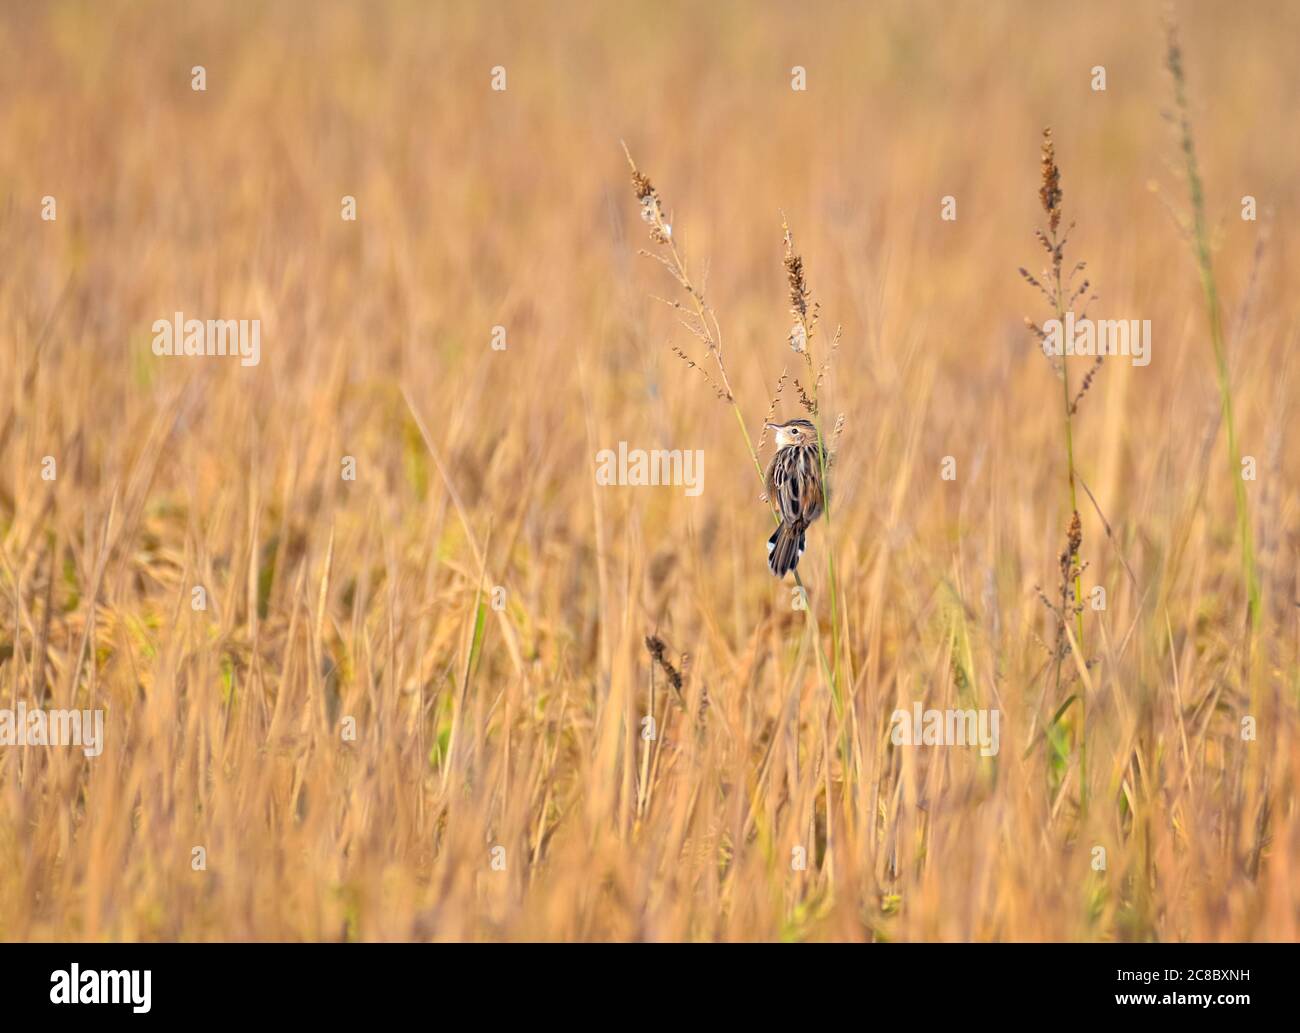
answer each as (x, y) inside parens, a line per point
(794, 485)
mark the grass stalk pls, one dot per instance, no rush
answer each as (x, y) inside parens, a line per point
(1200, 239)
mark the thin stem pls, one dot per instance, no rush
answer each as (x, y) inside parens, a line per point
(1205, 265)
(1060, 303)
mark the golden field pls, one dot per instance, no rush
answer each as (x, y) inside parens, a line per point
(475, 606)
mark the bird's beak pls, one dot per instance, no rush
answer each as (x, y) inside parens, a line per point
(772, 426)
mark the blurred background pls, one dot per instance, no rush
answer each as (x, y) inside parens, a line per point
(521, 727)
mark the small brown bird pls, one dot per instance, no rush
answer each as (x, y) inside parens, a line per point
(794, 483)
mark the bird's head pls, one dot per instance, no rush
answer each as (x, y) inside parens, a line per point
(793, 432)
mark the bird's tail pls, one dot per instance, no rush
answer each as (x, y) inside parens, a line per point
(784, 549)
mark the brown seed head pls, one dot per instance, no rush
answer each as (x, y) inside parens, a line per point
(1050, 192)
(641, 185)
(799, 292)
(655, 647)
(798, 285)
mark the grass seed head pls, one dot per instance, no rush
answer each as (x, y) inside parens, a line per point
(1050, 192)
(658, 653)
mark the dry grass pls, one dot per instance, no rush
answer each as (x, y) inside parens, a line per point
(521, 727)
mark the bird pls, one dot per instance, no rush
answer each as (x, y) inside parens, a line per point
(794, 485)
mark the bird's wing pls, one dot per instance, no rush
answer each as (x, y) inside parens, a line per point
(787, 487)
(814, 493)
(803, 487)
